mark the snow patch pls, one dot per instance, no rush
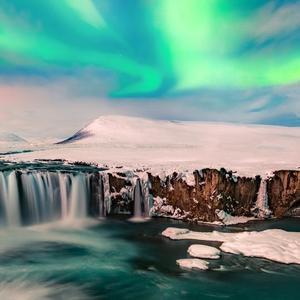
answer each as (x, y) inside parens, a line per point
(187, 177)
(273, 244)
(160, 208)
(228, 219)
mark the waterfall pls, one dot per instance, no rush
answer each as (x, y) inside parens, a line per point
(9, 198)
(33, 196)
(138, 198)
(63, 188)
(107, 196)
(78, 197)
(262, 200)
(37, 196)
(40, 197)
(102, 211)
(148, 199)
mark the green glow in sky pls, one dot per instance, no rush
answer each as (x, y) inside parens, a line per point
(155, 47)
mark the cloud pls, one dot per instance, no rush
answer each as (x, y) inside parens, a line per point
(273, 20)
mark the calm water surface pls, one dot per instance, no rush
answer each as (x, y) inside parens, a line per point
(118, 259)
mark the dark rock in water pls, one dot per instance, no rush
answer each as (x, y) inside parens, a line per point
(284, 193)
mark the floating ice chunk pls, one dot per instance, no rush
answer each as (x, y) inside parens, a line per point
(186, 234)
(273, 244)
(203, 251)
(172, 232)
(192, 263)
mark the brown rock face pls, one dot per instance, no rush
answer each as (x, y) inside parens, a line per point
(201, 196)
(213, 190)
(120, 193)
(284, 193)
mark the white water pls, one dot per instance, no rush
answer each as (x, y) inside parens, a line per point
(102, 211)
(262, 200)
(30, 197)
(79, 197)
(33, 197)
(106, 191)
(141, 199)
(63, 186)
(10, 198)
(138, 199)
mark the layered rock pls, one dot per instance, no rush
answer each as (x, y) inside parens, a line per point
(213, 191)
(209, 193)
(284, 193)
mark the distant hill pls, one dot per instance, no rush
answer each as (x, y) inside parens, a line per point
(6, 137)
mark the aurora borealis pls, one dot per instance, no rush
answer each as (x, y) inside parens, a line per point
(215, 53)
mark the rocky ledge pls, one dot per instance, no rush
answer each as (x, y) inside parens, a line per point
(210, 195)
(206, 195)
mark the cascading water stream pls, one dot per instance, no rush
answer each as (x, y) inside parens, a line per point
(33, 196)
(106, 193)
(138, 199)
(64, 187)
(262, 200)
(78, 197)
(102, 211)
(9, 198)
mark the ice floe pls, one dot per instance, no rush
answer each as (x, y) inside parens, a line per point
(192, 263)
(203, 251)
(273, 244)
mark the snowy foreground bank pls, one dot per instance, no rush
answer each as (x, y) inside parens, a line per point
(273, 244)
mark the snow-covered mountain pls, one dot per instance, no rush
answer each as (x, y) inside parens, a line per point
(133, 130)
(171, 145)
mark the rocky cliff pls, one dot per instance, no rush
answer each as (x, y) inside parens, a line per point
(212, 191)
(209, 194)
(206, 195)
(284, 193)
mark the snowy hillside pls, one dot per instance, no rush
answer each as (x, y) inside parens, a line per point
(136, 142)
(129, 130)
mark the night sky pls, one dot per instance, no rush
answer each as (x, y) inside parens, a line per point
(215, 60)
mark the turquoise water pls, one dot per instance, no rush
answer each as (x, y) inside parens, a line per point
(118, 259)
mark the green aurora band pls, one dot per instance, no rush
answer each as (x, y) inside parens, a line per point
(157, 47)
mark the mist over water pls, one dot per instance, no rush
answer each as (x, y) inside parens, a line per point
(117, 259)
